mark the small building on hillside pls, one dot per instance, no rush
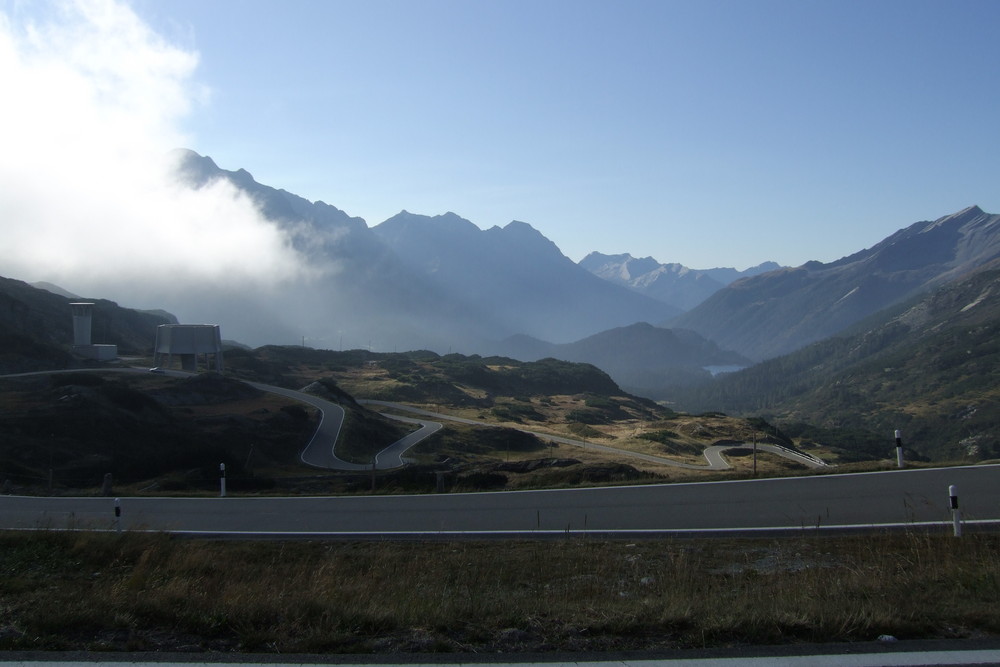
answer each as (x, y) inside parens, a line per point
(188, 342)
(82, 326)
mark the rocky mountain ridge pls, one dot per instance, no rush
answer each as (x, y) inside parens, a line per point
(435, 282)
(441, 283)
(926, 365)
(672, 283)
(780, 311)
(520, 277)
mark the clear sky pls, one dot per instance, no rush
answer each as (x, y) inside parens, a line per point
(705, 132)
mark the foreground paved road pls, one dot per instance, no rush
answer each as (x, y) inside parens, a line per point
(841, 655)
(862, 500)
(937, 659)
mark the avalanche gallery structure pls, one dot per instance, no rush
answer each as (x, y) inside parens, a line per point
(189, 342)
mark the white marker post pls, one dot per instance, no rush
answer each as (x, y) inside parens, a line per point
(222, 480)
(899, 449)
(118, 515)
(956, 514)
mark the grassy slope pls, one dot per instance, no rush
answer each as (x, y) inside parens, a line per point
(143, 428)
(148, 592)
(930, 367)
(573, 400)
(166, 434)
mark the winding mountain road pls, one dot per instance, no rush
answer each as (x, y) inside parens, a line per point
(713, 455)
(320, 451)
(905, 498)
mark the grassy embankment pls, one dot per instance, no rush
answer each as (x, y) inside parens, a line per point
(150, 592)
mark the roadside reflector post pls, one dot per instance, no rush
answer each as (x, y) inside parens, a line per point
(118, 515)
(899, 449)
(956, 513)
(222, 480)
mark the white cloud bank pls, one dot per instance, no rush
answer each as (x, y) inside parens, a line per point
(93, 100)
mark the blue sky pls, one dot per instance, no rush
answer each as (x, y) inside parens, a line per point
(709, 132)
(703, 132)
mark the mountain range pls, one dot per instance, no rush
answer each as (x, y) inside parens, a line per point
(437, 282)
(443, 284)
(514, 275)
(899, 335)
(674, 284)
(927, 365)
(774, 313)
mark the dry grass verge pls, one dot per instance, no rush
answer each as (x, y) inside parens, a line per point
(151, 592)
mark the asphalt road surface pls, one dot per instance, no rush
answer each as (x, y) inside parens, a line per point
(897, 498)
(906, 654)
(318, 452)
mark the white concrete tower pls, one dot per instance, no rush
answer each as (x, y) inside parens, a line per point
(81, 322)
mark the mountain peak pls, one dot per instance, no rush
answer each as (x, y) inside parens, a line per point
(674, 284)
(446, 222)
(597, 259)
(963, 217)
(521, 228)
(790, 309)
(196, 170)
(526, 240)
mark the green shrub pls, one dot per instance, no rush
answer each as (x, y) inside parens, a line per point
(663, 437)
(587, 416)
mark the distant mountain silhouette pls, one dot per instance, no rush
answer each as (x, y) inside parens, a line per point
(643, 359)
(370, 295)
(674, 284)
(516, 273)
(774, 313)
(416, 281)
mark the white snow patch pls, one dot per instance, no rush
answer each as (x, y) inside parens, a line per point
(979, 300)
(848, 294)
